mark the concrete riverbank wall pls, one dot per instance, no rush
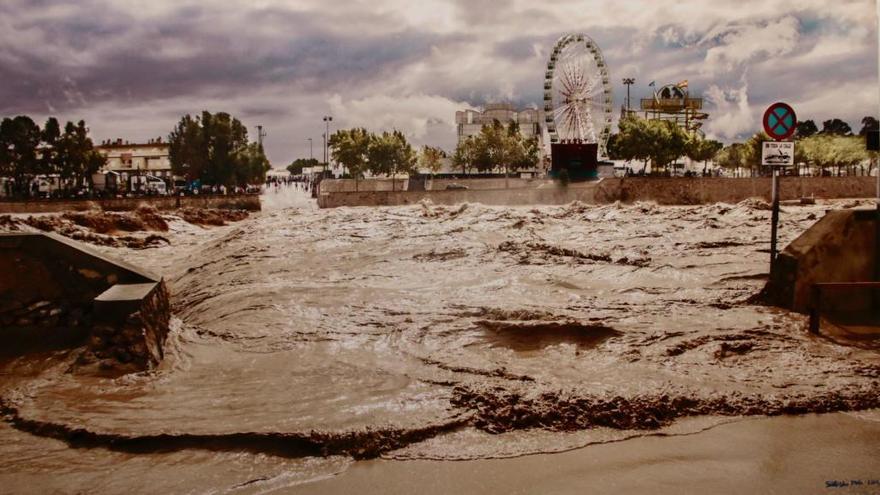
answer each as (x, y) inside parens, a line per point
(840, 247)
(668, 191)
(56, 293)
(250, 202)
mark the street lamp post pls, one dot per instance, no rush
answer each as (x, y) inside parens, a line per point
(628, 81)
(327, 120)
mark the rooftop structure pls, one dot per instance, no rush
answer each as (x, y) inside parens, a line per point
(674, 103)
(470, 122)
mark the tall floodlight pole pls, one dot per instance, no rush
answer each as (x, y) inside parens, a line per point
(260, 135)
(327, 120)
(628, 81)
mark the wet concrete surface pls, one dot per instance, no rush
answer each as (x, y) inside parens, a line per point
(441, 333)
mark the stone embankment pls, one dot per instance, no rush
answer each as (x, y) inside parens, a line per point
(249, 202)
(57, 293)
(665, 191)
(138, 229)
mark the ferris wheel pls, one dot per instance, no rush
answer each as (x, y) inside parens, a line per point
(577, 93)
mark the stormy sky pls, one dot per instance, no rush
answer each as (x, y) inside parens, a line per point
(131, 68)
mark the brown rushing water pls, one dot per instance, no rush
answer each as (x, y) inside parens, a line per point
(431, 332)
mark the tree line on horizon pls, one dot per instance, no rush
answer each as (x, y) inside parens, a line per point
(662, 143)
(834, 147)
(497, 148)
(28, 151)
(209, 147)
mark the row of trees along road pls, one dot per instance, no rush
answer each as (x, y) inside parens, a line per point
(388, 154)
(660, 142)
(361, 151)
(27, 151)
(833, 150)
(214, 148)
(496, 148)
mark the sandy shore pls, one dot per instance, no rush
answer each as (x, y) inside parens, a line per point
(807, 454)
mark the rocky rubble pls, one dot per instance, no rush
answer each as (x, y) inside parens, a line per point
(498, 410)
(42, 313)
(215, 217)
(106, 228)
(134, 344)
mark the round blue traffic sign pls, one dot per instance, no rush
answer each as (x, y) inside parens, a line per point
(780, 121)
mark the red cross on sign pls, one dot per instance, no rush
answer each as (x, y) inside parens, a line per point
(780, 121)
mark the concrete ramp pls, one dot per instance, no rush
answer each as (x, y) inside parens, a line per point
(839, 248)
(56, 292)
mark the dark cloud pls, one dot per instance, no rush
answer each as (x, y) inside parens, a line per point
(126, 60)
(135, 68)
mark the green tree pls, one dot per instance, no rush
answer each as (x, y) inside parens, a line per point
(837, 127)
(76, 157)
(251, 164)
(297, 166)
(661, 142)
(51, 136)
(465, 155)
(754, 152)
(187, 149)
(389, 154)
(869, 124)
(613, 147)
(732, 157)
(215, 149)
(504, 148)
(350, 148)
(431, 159)
(805, 129)
(631, 142)
(700, 149)
(20, 139)
(524, 152)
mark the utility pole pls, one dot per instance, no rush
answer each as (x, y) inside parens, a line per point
(628, 81)
(327, 120)
(260, 135)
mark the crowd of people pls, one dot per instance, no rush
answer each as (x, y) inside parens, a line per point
(300, 183)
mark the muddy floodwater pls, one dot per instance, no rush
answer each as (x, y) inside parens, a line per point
(305, 339)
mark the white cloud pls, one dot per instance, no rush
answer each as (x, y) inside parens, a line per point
(731, 114)
(414, 115)
(745, 43)
(402, 64)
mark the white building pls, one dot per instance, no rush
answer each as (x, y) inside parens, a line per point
(130, 159)
(470, 122)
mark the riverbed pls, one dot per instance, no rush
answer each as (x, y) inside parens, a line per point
(304, 340)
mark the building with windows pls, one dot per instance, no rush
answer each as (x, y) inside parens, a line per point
(470, 122)
(129, 159)
(135, 166)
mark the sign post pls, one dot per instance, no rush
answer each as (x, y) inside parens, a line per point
(780, 123)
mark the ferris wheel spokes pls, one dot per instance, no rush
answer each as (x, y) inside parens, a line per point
(577, 93)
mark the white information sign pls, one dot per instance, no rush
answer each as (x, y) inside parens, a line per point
(778, 153)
